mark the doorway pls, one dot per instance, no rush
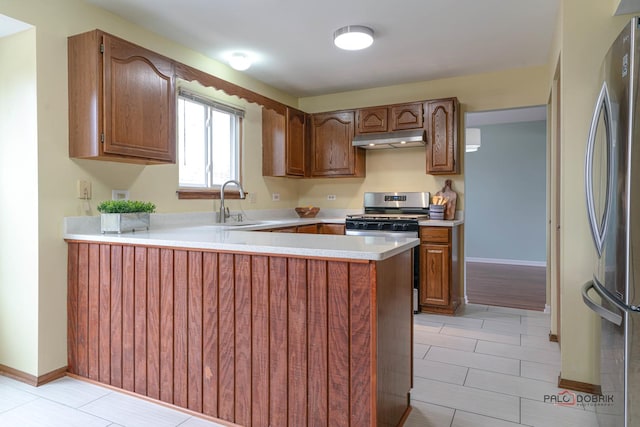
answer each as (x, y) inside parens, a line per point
(505, 207)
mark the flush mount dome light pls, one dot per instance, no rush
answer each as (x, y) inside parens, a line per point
(239, 61)
(353, 37)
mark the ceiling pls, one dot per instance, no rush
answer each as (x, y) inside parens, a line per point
(291, 41)
(10, 26)
(512, 115)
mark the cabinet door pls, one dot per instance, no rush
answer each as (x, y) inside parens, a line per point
(296, 123)
(293, 229)
(139, 102)
(332, 152)
(273, 143)
(308, 229)
(407, 116)
(442, 128)
(434, 274)
(331, 228)
(372, 120)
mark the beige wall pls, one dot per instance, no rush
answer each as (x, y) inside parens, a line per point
(19, 201)
(582, 41)
(44, 282)
(405, 168)
(159, 183)
(58, 174)
(587, 31)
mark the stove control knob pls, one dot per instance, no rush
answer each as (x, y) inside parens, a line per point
(362, 225)
(380, 226)
(396, 227)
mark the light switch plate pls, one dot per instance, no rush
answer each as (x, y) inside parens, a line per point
(83, 189)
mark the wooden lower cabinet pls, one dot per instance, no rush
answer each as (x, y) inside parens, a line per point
(293, 229)
(326, 228)
(254, 339)
(439, 276)
(319, 228)
(308, 229)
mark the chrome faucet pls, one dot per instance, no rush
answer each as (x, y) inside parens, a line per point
(224, 213)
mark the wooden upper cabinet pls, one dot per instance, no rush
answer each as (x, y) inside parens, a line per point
(122, 101)
(284, 142)
(332, 152)
(389, 118)
(406, 116)
(372, 120)
(296, 142)
(442, 136)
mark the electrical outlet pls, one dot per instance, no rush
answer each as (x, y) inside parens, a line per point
(83, 189)
(119, 194)
(275, 197)
(252, 197)
(331, 197)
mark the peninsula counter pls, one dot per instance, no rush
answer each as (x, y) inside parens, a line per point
(252, 328)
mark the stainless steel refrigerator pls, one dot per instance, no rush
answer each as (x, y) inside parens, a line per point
(612, 177)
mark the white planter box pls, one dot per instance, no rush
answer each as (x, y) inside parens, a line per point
(123, 222)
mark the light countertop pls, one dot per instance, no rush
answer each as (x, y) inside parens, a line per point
(440, 223)
(247, 238)
(198, 231)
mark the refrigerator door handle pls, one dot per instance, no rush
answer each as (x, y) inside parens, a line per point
(612, 317)
(599, 225)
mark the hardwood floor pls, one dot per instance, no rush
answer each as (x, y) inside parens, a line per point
(504, 285)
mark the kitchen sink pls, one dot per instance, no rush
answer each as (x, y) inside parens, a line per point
(234, 224)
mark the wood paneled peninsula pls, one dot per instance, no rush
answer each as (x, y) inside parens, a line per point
(253, 328)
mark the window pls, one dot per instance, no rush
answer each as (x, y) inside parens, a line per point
(208, 142)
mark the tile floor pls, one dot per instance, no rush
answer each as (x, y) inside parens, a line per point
(486, 367)
(68, 402)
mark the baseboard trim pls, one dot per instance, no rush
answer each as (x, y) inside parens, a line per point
(553, 337)
(506, 261)
(32, 380)
(405, 415)
(578, 386)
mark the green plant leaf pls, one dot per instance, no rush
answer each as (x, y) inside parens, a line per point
(125, 206)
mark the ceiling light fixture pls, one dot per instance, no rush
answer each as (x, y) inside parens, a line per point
(239, 61)
(353, 37)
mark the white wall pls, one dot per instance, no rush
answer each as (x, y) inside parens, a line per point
(18, 202)
(505, 189)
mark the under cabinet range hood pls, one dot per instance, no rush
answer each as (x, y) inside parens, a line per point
(398, 139)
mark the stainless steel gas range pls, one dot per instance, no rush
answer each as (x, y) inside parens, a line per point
(389, 214)
(392, 215)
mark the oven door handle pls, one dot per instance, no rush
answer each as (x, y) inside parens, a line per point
(381, 233)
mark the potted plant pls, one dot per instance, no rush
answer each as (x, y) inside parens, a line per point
(117, 216)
